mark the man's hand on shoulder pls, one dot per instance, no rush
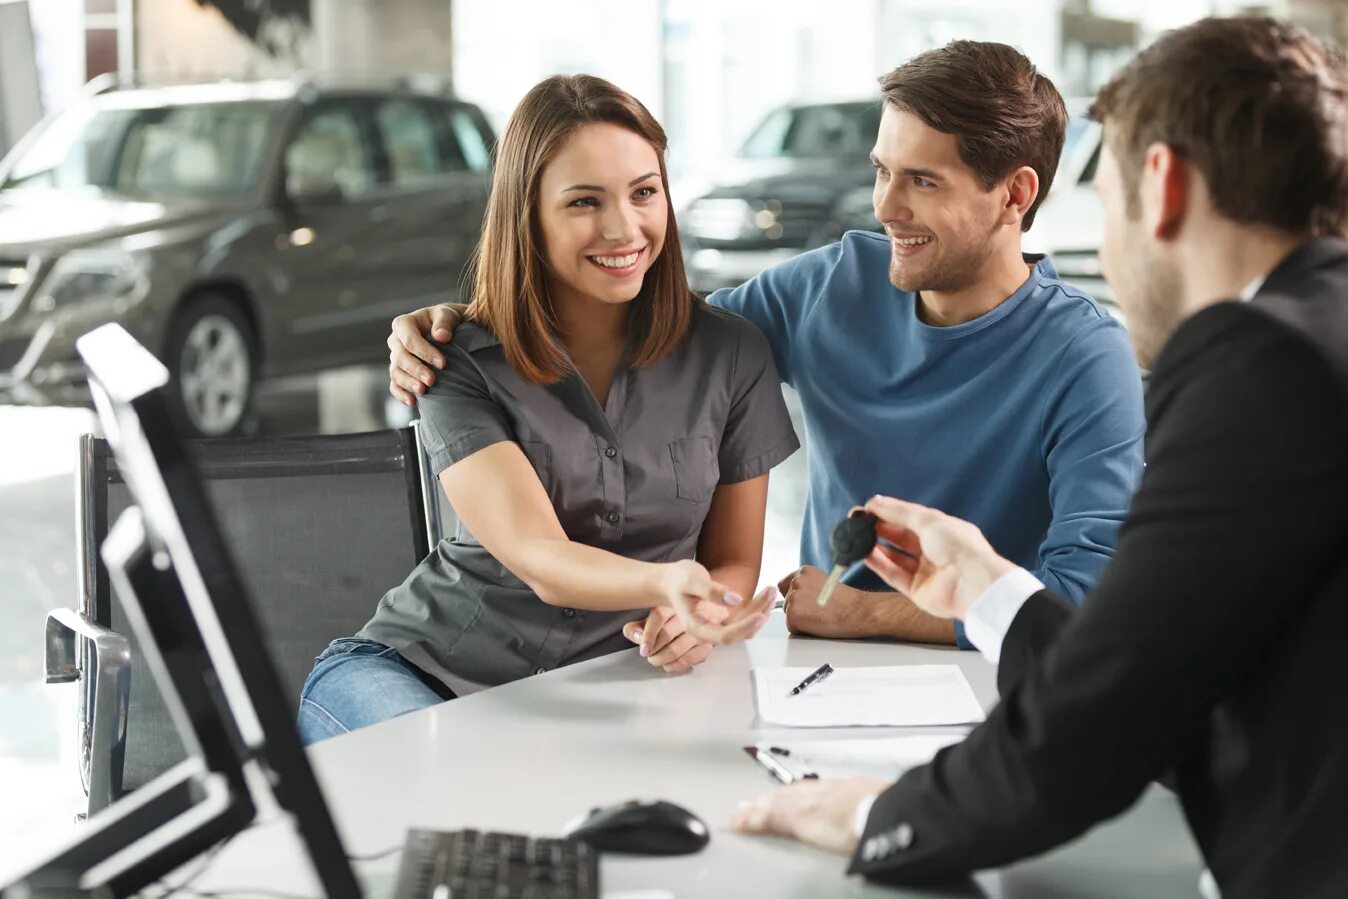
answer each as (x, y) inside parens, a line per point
(411, 357)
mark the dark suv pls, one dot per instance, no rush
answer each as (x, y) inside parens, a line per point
(801, 179)
(239, 230)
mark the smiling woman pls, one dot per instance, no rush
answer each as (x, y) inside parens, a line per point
(603, 436)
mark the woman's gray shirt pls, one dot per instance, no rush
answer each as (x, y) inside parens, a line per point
(635, 478)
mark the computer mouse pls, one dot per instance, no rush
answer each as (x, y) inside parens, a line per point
(641, 827)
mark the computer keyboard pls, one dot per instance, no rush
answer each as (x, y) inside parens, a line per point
(470, 864)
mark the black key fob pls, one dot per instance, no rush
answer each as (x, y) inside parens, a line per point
(853, 538)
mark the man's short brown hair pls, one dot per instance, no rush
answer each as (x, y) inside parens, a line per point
(1001, 110)
(1258, 107)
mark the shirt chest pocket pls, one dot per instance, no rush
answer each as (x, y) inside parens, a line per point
(696, 470)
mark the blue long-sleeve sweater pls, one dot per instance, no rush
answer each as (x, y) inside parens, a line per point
(1027, 421)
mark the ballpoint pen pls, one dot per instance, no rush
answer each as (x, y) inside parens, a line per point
(775, 768)
(815, 677)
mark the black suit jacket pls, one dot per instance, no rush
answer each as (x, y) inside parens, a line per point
(1214, 648)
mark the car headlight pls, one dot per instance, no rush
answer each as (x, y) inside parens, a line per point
(855, 210)
(719, 218)
(82, 276)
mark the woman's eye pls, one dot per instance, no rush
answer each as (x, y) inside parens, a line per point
(644, 193)
(583, 202)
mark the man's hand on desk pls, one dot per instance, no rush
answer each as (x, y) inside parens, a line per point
(819, 812)
(412, 360)
(853, 613)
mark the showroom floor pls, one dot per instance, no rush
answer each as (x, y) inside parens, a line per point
(39, 784)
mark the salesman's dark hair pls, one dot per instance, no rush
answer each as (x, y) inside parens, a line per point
(1259, 108)
(1002, 111)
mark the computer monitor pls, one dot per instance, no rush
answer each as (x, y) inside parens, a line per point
(183, 595)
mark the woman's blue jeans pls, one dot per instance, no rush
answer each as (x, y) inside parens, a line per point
(358, 682)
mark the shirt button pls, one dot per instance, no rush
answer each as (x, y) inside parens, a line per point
(569, 613)
(613, 517)
(540, 671)
(610, 452)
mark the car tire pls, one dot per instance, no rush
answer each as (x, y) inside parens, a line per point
(212, 356)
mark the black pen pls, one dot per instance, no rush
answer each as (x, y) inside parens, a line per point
(815, 677)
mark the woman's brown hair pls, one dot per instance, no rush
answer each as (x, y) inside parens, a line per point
(509, 270)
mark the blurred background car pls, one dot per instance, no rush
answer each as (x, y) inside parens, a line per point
(800, 180)
(239, 230)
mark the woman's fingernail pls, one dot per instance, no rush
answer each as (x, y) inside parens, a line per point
(637, 635)
(733, 599)
(645, 652)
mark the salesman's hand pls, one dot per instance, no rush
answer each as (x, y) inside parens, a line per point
(410, 355)
(666, 643)
(953, 562)
(688, 588)
(818, 812)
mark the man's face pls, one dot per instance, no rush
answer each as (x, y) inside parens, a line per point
(940, 220)
(1145, 281)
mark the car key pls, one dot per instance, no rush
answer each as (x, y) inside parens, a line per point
(851, 541)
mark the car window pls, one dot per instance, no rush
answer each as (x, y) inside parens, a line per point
(1088, 173)
(472, 143)
(202, 149)
(767, 140)
(834, 131)
(415, 152)
(329, 148)
(1077, 128)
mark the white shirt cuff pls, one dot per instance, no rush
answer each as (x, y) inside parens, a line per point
(862, 813)
(990, 616)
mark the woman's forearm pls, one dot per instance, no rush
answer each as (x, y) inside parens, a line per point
(565, 573)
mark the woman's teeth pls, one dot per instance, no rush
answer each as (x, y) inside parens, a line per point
(617, 261)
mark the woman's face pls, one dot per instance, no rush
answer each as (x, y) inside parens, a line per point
(602, 212)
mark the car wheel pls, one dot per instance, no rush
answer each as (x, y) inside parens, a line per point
(212, 354)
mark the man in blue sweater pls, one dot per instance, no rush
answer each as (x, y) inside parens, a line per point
(936, 362)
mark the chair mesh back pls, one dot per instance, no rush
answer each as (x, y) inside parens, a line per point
(316, 551)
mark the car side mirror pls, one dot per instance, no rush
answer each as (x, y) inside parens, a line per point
(313, 188)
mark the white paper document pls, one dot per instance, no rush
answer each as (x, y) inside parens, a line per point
(894, 696)
(887, 758)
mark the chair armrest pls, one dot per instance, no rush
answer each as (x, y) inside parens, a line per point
(110, 681)
(62, 655)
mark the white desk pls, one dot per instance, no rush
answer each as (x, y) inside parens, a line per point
(529, 756)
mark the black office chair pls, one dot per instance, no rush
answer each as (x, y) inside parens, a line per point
(320, 528)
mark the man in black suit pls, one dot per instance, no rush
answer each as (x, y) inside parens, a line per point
(1211, 652)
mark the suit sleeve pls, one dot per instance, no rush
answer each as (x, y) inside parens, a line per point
(1242, 505)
